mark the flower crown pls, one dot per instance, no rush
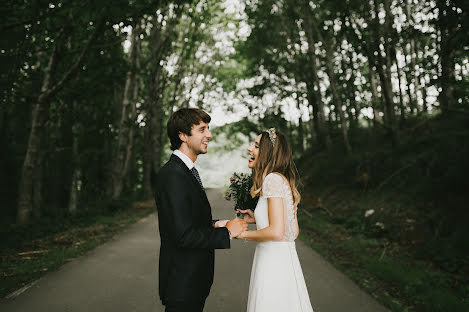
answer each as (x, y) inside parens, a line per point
(272, 135)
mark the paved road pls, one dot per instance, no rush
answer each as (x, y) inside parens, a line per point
(121, 276)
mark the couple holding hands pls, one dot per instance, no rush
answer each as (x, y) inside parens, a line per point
(189, 234)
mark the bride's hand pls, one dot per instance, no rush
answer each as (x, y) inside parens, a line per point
(242, 235)
(248, 215)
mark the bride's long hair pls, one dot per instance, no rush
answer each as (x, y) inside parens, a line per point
(275, 158)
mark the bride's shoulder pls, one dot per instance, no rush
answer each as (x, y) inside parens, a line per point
(274, 177)
(273, 185)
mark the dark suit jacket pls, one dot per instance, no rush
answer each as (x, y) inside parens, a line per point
(188, 238)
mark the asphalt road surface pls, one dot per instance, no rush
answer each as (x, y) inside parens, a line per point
(121, 276)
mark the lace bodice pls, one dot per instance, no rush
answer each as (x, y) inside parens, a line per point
(275, 185)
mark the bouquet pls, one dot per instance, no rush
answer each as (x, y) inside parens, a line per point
(240, 191)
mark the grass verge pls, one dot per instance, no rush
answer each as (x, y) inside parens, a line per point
(28, 252)
(388, 270)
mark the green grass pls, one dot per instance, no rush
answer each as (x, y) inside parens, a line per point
(28, 252)
(398, 281)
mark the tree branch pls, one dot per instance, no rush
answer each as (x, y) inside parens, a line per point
(74, 68)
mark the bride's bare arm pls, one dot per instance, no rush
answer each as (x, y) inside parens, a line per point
(276, 228)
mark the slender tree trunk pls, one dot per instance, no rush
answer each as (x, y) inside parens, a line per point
(312, 126)
(126, 122)
(335, 92)
(322, 130)
(423, 84)
(354, 111)
(447, 75)
(385, 78)
(3, 114)
(153, 132)
(133, 115)
(301, 146)
(401, 99)
(147, 165)
(25, 200)
(413, 55)
(408, 78)
(317, 108)
(375, 99)
(37, 186)
(153, 138)
(158, 137)
(188, 49)
(73, 198)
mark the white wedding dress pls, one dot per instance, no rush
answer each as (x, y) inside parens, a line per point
(277, 283)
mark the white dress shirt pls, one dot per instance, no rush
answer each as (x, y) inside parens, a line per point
(189, 163)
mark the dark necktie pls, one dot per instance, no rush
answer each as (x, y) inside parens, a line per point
(196, 175)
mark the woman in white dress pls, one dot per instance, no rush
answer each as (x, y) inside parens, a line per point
(277, 283)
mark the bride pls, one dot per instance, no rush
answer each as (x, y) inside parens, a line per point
(277, 282)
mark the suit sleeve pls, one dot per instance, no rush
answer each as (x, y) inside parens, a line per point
(181, 217)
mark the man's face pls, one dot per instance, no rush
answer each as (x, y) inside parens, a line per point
(200, 136)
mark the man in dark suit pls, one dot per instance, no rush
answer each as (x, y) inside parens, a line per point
(188, 233)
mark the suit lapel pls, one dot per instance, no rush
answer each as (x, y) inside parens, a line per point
(201, 192)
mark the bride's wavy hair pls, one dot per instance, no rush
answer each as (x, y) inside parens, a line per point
(275, 158)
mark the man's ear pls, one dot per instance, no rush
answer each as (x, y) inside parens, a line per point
(182, 136)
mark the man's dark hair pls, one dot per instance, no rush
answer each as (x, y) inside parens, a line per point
(182, 121)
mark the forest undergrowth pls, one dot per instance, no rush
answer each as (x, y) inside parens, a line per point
(395, 221)
(28, 252)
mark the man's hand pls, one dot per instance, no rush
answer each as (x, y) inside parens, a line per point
(236, 227)
(220, 223)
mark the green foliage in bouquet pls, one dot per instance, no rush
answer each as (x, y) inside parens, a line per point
(240, 191)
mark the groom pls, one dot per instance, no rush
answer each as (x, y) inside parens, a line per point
(188, 233)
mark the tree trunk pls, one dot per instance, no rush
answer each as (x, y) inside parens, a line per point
(310, 27)
(73, 198)
(447, 76)
(158, 137)
(354, 111)
(312, 126)
(37, 186)
(321, 130)
(301, 146)
(26, 187)
(385, 78)
(153, 132)
(39, 116)
(133, 115)
(377, 119)
(335, 91)
(408, 78)
(401, 99)
(423, 84)
(413, 55)
(3, 114)
(126, 122)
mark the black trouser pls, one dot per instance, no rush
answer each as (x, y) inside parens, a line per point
(184, 306)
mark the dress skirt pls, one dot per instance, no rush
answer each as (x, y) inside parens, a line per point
(277, 283)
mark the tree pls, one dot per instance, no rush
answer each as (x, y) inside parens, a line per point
(127, 122)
